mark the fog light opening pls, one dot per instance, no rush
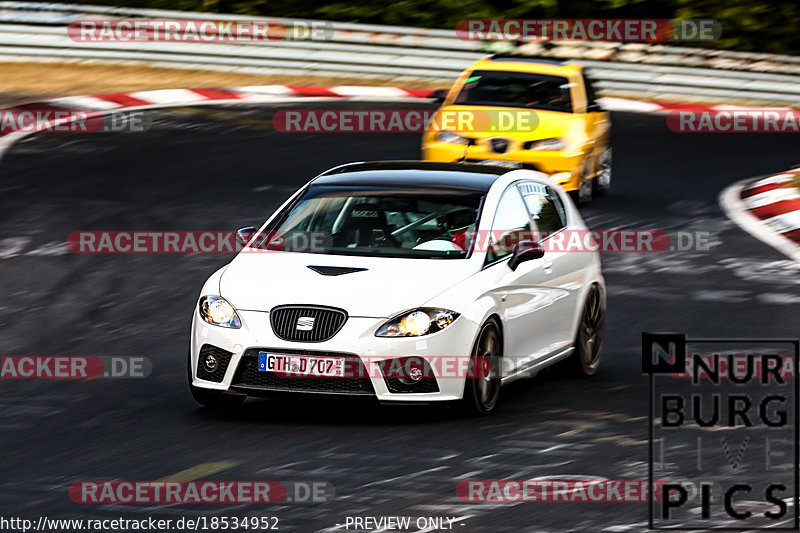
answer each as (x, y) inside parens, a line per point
(413, 373)
(409, 375)
(210, 363)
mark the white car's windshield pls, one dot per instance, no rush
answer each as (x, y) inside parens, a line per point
(390, 222)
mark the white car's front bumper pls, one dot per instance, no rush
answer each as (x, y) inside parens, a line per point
(357, 338)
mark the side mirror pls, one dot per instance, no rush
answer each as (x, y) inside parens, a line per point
(525, 251)
(244, 235)
(439, 95)
(594, 107)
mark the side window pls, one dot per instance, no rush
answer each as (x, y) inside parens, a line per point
(559, 205)
(511, 225)
(544, 205)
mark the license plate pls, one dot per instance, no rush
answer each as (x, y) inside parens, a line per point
(300, 365)
(501, 163)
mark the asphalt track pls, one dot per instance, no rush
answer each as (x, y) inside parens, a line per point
(223, 168)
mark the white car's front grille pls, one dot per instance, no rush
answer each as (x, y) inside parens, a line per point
(306, 323)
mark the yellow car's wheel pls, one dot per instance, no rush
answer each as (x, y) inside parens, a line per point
(583, 195)
(602, 182)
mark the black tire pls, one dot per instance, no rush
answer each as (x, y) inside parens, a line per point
(213, 399)
(585, 361)
(482, 387)
(602, 181)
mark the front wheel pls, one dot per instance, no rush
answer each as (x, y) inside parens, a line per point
(483, 383)
(213, 399)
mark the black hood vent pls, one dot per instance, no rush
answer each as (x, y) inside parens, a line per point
(334, 271)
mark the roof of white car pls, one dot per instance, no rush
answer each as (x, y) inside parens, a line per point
(420, 174)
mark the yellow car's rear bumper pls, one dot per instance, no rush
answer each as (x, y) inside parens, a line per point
(564, 168)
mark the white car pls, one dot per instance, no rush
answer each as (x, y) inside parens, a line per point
(404, 281)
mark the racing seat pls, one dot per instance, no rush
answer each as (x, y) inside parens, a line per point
(365, 226)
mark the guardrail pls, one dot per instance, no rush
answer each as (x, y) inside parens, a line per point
(37, 31)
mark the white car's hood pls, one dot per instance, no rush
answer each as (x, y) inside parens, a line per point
(260, 281)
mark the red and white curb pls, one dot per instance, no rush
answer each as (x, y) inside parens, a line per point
(268, 93)
(767, 208)
(260, 93)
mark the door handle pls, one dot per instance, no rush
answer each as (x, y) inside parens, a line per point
(547, 266)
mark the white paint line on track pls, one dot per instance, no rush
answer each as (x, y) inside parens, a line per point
(7, 141)
(734, 208)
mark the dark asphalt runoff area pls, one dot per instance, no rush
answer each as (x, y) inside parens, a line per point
(221, 168)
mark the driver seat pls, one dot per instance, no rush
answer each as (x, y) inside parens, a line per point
(365, 225)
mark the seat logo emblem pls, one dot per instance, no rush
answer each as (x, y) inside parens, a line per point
(305, 323)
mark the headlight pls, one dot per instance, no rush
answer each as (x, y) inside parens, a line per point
(417, 322)
(450, 138)
(217, 311)
(553, 144)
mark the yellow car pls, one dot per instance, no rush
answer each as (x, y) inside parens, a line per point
(526, 113)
